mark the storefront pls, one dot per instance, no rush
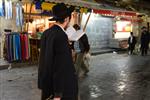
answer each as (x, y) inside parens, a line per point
(99, 24)
(123, 22)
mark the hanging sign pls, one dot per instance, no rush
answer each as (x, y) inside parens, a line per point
(47, 6)
(114, 13)
(83, 10)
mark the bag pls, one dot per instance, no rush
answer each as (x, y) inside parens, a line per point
(86, 59)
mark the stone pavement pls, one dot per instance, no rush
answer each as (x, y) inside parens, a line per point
(4, 64)
(112, 77)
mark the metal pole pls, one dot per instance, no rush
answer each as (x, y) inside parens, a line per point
(86, 22)
(29, 16)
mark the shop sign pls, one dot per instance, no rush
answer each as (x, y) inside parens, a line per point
(123, 26)
(132, 20)
(114, 13)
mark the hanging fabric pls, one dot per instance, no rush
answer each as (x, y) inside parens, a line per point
(16, 47)
(19, 14)
(8, 9)
(1, 8)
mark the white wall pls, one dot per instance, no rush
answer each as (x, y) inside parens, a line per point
(99, 30)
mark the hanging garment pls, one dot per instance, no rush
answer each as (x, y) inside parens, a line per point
(8, 9)
(23, 54)
(6, 44)
(19, 14)
(10, 47)
(14, 47)
(1, 8)
(26, 46)
(18, 47)
(38, 5)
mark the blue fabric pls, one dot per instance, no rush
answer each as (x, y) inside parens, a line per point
(1, 8)
(18, 48)
(19, 15)
(8, 9)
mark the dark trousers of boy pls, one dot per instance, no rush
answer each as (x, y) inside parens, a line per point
(131, 48)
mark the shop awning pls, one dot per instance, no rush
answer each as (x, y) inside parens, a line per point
(114, 12)
(81, 3)
(97, 7)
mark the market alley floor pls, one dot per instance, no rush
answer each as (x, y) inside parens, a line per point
(112, 77)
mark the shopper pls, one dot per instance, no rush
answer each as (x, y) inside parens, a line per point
(56, 75)
(145, 37)
(131, 43)
(82, 47)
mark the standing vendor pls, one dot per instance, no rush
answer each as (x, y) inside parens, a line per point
(39, 34)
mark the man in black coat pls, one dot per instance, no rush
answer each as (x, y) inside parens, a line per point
(145, 38)
(131, 43)
(56, 75)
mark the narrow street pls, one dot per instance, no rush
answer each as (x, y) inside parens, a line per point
(111, 77)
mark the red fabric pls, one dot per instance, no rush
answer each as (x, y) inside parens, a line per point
(23, 46)
(26, 46)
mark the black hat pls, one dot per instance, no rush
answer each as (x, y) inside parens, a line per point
(61, 11)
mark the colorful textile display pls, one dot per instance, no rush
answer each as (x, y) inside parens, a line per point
(1, 8)
(8, 9)
(16, 47)
(19, 14)
(25, 44)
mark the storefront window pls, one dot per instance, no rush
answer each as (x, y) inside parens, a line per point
(122, 29)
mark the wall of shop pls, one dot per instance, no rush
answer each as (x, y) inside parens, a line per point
(98, 30)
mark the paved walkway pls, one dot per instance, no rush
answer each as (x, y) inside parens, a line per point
(111, 77)
(4, 64)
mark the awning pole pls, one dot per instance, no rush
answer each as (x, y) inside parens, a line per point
(29, 16)
(86, 22)
(26, 24)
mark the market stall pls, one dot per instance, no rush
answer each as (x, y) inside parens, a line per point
(124, 22)
(11, 18)
(103, 20)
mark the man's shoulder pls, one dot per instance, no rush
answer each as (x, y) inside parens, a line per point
(54, 28)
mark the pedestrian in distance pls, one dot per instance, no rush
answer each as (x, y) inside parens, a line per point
(145, 38)
(57, 77)
(131, 43)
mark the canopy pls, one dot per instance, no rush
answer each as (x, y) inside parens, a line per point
(97, 7)
(81, 3)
